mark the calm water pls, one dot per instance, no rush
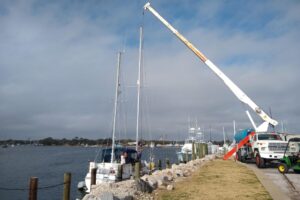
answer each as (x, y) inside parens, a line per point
(49, 164)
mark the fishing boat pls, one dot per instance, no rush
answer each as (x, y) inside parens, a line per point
(195, 136)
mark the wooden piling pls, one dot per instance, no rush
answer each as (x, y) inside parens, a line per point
(193, 151)
(93, 176)
(203, 150)
(137, 170)
(33, 187)
(168, 165)
(120, 172)
(186, 157)
(159, 165)
(198, 150)
(67, 186)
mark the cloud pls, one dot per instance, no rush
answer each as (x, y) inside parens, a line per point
(58, 64)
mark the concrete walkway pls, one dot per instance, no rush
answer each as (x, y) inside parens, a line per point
(276, 184)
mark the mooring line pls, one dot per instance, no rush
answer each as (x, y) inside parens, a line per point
(39, 188)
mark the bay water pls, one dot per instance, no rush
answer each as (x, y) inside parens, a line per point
(49, 163)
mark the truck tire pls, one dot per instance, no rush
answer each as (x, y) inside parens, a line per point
(238, 155)
(283, 168)
(260, 162)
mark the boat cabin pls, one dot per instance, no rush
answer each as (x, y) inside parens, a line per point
(130, 158)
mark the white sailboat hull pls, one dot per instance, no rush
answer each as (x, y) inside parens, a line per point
(108, 172)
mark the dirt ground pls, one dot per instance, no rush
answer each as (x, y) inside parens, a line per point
(217, 179)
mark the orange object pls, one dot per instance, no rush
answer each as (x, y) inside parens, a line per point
(240, 144)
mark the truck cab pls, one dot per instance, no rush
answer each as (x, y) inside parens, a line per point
(267, 147)
(263, 147)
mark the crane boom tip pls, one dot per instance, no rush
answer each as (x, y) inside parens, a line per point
(146, 5)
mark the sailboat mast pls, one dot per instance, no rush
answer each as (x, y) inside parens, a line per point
(234, 130)
(139, 89)
(224, 135)
(115, 107)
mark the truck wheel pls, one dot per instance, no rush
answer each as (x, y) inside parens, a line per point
(260, 162)
(283, 168)
(238, 155)
(241, 157)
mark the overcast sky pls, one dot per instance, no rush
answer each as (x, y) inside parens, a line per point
(58, 66)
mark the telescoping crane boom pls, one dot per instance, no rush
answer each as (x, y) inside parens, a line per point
(232, 86)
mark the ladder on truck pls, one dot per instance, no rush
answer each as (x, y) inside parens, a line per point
(238, 146)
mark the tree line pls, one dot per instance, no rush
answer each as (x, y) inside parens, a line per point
(79, 141)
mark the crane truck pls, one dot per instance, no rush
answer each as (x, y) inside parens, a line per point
(257, 143)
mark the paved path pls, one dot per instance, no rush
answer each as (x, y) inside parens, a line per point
(276, 184)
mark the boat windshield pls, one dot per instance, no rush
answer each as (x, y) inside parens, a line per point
(268, 137)
(131, 155)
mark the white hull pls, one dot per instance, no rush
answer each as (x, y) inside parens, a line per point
(108, 172)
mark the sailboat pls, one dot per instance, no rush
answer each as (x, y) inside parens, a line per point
(116, 163)
(147, 167)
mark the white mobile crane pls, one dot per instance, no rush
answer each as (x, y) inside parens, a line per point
(262, 153)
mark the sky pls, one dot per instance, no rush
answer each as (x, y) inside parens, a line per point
(58, 64)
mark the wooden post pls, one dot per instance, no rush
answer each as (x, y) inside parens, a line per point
(198, 150)
(193, 151)
(159, 165)
(33, 187)
(186, 157)
(137, 170)
(67, 186)
(120, 172)
(206, 149)
(203, 150)
(93, 176)
(168, 165)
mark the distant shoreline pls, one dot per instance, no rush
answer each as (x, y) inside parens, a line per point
(49, 141)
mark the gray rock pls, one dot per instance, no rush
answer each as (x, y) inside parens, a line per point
(179, 172)
(127, 198)
(91, 197)
(162, 181)
(170, 187)
(108, 196)
(174, 166)
(143, 186)
(152, 182)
